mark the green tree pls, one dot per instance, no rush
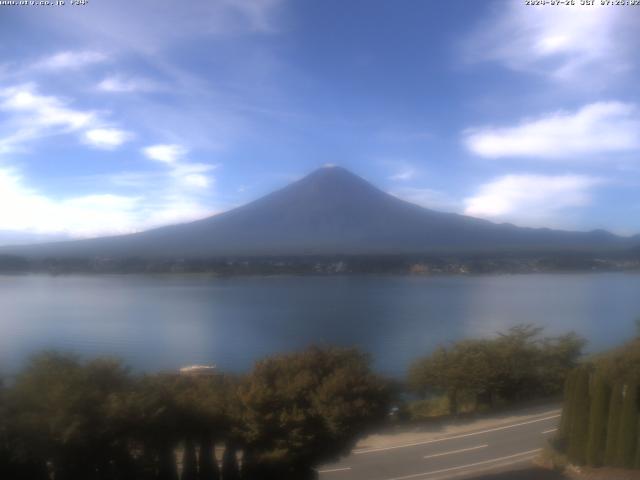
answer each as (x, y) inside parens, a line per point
(152, 416)
(623, 363)
(578, 436)
(306, 408)
(558, 356)
(518, 357)
(204, 404)
(628, 427)
(518, 364)
(600, 396)
(59, 415)
(463, 369)
(613, 424)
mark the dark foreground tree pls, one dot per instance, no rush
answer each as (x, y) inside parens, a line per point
(230, 468)
(207, 464)
(578, 437)
(302, 409)
(564, 429)
(59, 415)
(601, 393)
(613, 424)
(628, 429)
(189, 462)
(636, 462)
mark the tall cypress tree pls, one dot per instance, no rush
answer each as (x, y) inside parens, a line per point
(598, 420)
(189, 462)
(207, 460)
(565, 420)
(230, 468)
(250, 469)
(636, 463)
(167, 469)
(578, 433)
(613, 424)
(628, 430)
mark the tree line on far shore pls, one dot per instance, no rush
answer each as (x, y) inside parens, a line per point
(66, 419)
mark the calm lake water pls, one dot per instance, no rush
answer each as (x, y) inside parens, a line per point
(165, 322)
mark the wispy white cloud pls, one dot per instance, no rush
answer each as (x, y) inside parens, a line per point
(31, 116)
(41, 110)
(532, 200)
(401, 170)
(119, 84)
(165, 153)
(117, 25)
(106, 138)
(193, 174)
(602, 127)
(185, 173)
(566, 44)
(70, 60)
(406, 173)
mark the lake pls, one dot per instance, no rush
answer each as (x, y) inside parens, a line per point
(164, 322)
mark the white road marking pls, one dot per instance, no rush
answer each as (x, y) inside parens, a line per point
(461, 467)
(331, 470)
(551, 430)
(488, 468)
(426, 442)
(456, 451)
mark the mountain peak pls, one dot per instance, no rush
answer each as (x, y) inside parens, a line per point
(332, 170)
(333, 177)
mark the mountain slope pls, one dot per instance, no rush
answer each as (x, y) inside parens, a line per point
(330, 211)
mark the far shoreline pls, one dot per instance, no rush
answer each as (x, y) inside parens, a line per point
(425, 264)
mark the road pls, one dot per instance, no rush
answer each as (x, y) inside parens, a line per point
(462, 455)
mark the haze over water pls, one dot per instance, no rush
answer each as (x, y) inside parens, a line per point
(164, 322)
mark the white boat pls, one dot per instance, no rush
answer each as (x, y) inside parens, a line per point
(198, 370)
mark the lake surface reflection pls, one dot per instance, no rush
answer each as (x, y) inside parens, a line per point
(163, 322)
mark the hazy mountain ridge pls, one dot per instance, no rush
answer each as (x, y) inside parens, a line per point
(331, 211)
(16, 237)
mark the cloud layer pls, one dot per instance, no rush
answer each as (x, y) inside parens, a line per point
(30, 115)
(578, 42)
(528, 199)
(106, 138)
(70, 60)
(601, 127)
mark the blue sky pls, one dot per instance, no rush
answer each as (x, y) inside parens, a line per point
(120, 116)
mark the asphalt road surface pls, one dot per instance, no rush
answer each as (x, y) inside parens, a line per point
(464, 455)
